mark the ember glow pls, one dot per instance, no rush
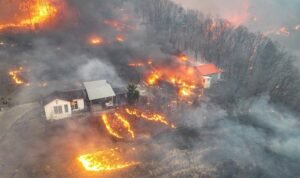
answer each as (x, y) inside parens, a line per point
(183, 57)
(40, 13)
(108, 160)
(149, 116)
(119, 26)
(137, 64)
(120, 38)
(140, 63)
(283, 31)
(96, 40)
(15, 76)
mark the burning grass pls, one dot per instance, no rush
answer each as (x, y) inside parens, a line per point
(109, 127)
(119, 123)
(149, 116)
(95, 40)
(107, 160)
(16, 76)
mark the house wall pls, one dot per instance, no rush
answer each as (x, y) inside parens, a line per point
(215, 77)
(207, 82)
(80, 104)
(49, 110)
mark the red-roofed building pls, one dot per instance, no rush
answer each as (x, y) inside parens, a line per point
(210, 72)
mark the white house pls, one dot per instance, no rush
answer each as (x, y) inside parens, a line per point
(206, 82)
(61, 105)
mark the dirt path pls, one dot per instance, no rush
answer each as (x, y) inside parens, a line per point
(8, 118)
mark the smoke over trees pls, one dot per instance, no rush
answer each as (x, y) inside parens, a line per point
(253, 64)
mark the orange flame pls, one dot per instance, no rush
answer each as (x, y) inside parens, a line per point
(15, 76)
(96, 40)
(149, 116)
(109, 127)
(184, 92)
(108, 160)
(153, 78)
(41, 13)
(185, 79)
(124, 123)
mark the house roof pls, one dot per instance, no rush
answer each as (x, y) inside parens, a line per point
(98, 89)
(63, 95)
(208, 69)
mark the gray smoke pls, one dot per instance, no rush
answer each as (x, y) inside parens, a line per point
(262, 143)
(256, 16)
(95, 69)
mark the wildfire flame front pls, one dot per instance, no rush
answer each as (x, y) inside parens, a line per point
(107, 160)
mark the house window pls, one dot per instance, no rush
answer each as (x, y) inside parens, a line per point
(58, 110)
(74, 105)
(66, 108)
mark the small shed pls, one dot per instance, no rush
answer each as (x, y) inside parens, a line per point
(100, 94)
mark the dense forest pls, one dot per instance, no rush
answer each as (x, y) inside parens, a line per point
(253, 64)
